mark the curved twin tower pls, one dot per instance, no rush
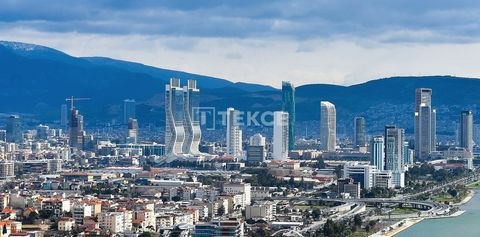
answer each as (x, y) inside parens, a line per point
(182, 128)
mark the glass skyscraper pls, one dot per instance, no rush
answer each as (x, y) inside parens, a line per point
(288, 105)
(425, 123)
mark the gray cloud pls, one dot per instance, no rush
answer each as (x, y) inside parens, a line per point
(385, 21)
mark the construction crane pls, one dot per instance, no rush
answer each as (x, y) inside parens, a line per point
(72, 99)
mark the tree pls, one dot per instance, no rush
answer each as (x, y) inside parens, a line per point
(316, 213)
(176, 198)
(357, 220)
(329, 228)
(453, 192)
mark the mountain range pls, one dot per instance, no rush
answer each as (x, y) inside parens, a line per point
(35, 80)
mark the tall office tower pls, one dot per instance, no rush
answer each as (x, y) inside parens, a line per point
(280, 135)
(359, 132)
(425, 123)
(182, 126)
(14, 129)
(64, 116)
(288, 105)
(76, 129)
(128, 110)
(328, 126)
(476, 134)
(377, 157)
(191, 119)
(132, 131)
(394, 154)
(466, 130)
(234, 134)
(257, 151)
(174, 113)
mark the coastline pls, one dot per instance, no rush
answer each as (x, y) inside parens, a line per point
(409, 222)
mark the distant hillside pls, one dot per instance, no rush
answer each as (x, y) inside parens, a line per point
(36, 79)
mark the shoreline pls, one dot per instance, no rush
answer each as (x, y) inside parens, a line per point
(409, 222)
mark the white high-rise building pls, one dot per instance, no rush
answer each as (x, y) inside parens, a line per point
(377, 157)
(182, 129)
(234, 134)
(328, 126)
(466, 130)
(362, 173)
(280, 135)
(191, 119)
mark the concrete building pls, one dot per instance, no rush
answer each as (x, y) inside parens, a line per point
(280, 135)
(383, 179)
(116, 222)
(239, 188)
(328, 126)
(76, 130)
(260, 211)
(7, 169)
(362, 173)
(349, 186)
(224, 228)
(182, 128)
(234, 134)
(257, 151)
(466, 130)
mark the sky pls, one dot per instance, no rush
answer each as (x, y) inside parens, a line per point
(265, 42)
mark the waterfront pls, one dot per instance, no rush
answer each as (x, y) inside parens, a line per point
(464, 225)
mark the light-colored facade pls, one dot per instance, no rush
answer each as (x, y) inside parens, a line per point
(234, 134)
(362, 173)
(182, 128)
(328, 126)
(466, 130)
(116, 222)
(280, 135)
(239, 188)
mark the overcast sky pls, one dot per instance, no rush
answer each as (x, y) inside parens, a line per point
(336, 42)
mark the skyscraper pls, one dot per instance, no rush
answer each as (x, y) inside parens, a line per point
(288, 105)
(64, 116)
(14, 129)
(191, 120)
(182, 128)
(377, 155)
(76, 129)
(394, 154)
(280, 135)
(328, 126)
(359, 133)
(466, 130)
(425, 123)
(234, 134)
(132, 131)
(128, 110)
